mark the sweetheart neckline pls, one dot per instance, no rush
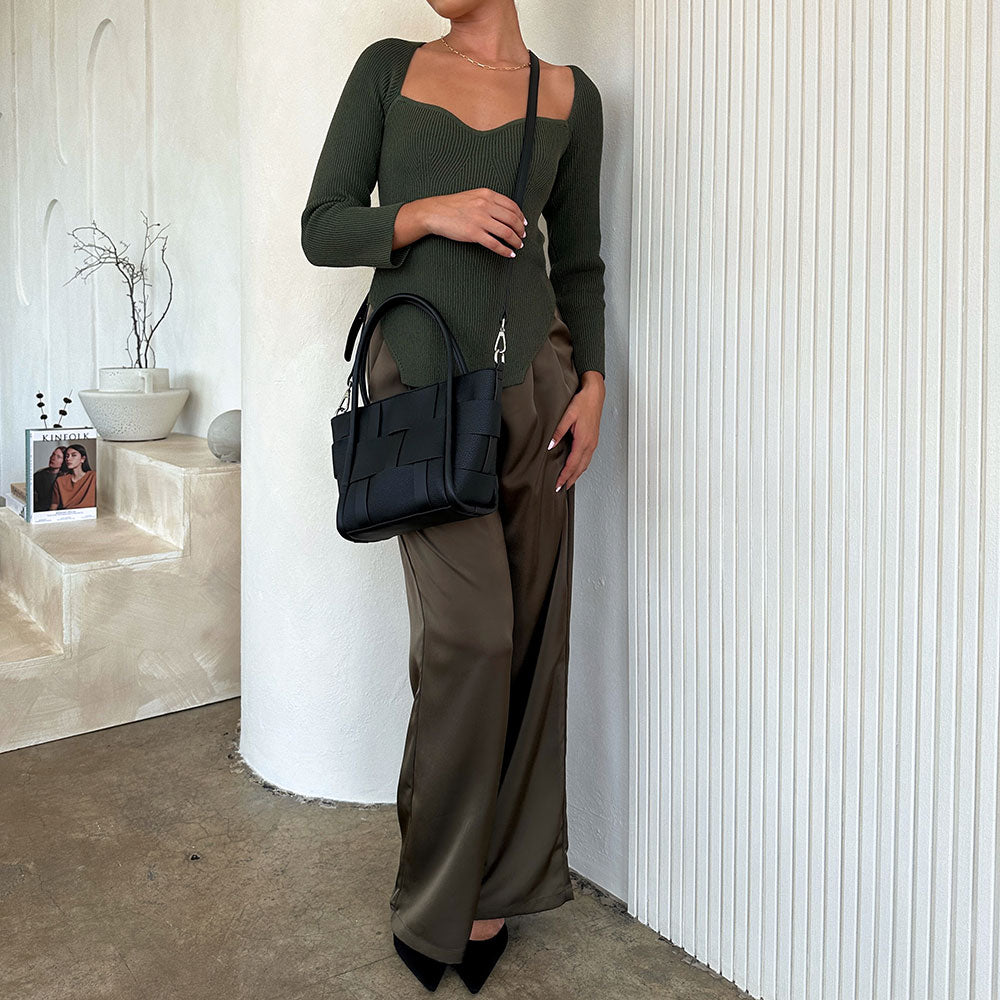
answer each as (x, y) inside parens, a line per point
(472, 128)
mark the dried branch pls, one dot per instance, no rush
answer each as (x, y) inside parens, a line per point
(104, 251)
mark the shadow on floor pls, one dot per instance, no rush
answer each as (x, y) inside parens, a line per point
(147, 861)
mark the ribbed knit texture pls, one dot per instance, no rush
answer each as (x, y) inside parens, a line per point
(413, 150)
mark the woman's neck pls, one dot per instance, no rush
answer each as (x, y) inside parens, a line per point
(491, 34)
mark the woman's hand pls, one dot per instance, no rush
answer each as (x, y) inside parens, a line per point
(480, 215)
(583, 417)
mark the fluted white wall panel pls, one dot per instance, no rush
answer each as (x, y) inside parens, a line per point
(815, 482)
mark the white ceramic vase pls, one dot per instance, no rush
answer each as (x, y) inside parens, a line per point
(133, 404)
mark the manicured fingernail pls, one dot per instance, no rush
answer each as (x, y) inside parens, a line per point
(552, 444)
(558, 488)
(525, 221)
(513, 254)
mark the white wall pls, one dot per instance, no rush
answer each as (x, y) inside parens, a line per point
(111, 109)
(325, 633)
(815, 525)
(117, 107)
(598, 37)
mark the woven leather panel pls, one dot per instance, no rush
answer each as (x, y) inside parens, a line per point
(398, 465)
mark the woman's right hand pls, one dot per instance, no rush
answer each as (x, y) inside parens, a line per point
(480, 215)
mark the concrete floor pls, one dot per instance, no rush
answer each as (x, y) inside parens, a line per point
(147, 861)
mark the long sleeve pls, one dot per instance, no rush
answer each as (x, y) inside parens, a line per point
(572, 215)
(340, 227)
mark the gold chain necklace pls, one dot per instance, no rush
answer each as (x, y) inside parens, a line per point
(471, 60)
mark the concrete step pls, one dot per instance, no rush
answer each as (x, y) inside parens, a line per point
(107, 540)
(35, 558)
(145, 481)
(23, 641)
(128, 615)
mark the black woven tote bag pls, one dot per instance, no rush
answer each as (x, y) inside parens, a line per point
(427, 455)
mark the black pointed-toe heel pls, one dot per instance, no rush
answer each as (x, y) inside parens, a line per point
(480, 957)
(428, 970)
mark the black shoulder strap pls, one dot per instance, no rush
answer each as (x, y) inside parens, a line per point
(528, 142)
(523, 168)
(358, 322)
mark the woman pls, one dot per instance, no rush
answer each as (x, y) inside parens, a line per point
(438, 126)
(44, 480)
(76, 483)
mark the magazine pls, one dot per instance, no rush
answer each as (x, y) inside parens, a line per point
(60, 474)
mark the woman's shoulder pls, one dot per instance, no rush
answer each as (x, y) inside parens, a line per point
(571, 91)
(587, 91)
(384, 53)
(580, 94)
(382, 63)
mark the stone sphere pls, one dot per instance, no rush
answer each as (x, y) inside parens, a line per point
(224, 436)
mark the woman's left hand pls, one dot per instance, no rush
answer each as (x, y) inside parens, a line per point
(583, 418)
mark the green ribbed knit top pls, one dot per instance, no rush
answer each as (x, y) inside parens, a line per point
(412, 150)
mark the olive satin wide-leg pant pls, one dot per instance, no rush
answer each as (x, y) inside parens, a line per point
(481, 799)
